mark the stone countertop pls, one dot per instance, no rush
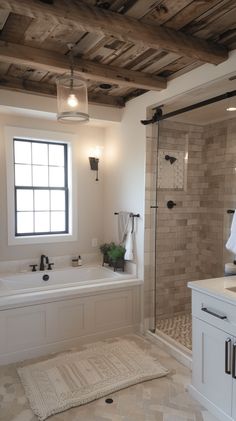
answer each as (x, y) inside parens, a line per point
(216, 287)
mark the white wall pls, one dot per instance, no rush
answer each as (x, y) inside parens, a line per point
(125, 176)
(90, 192)
(126, 148)
(47, 106)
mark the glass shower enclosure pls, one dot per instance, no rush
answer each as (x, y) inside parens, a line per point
(190, 185)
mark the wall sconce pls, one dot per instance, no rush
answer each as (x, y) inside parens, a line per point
(94, 165)
(95, 154)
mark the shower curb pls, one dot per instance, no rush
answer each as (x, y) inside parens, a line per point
(172, 347)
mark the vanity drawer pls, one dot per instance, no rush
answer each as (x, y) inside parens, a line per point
(215, 312)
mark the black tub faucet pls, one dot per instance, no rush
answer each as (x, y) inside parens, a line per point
(42, 265)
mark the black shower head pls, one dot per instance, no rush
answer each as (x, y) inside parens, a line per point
(172, 159)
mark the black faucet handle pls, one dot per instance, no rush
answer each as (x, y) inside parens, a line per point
(33, 267)
(50, 266)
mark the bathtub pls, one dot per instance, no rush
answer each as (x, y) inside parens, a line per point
(61, 278)
(41, 314)
(30, 287)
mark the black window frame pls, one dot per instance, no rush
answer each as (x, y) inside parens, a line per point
(32, 188)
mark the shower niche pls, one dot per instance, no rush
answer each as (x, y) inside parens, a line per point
(171, 169)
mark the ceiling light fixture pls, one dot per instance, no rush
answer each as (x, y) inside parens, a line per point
(231, 109)
(72, 97)
(105, 86)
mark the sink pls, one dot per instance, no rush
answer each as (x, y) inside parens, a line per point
(233, 289)
(230, 284)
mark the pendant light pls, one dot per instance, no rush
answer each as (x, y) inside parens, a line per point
(72, 97)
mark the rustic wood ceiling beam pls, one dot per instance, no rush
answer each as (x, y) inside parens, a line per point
(3, 18)
(59, 63)
(94, 19)
(46, 89)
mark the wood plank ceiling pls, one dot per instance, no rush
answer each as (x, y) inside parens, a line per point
(122, 47)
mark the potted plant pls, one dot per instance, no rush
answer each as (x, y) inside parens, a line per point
(116, 255)
(104, 248)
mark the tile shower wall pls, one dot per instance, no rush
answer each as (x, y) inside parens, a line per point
(212, 202)
(190, 238)
(219, 194)
(178, 229)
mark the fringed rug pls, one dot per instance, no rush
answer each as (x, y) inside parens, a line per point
(76, 378)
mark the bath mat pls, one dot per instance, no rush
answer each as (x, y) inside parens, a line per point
(76, 378)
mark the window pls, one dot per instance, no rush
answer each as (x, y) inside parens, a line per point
(41, 187)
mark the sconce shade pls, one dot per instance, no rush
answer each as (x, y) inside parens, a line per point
(72, 99)
(93, 163)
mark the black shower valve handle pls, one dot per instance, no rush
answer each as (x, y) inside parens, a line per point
(172, 159)
(170, 204)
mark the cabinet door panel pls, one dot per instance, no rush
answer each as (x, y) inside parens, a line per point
(209, 376)
(67, 319)
(112, 311)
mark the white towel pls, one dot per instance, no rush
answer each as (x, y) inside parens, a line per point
(123, 224)
(231, 243)
(129, 245)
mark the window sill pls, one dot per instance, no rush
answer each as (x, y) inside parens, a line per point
(42, 239)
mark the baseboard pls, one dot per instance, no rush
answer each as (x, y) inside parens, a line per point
(184, 357)
(213, 409)
(65, 345)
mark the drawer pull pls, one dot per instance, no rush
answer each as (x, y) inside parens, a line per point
(228, 356)
(212, 313)
(234, 362)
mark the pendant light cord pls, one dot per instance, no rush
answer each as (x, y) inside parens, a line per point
(71, 57)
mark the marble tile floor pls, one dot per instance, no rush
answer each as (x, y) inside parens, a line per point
(164, 399)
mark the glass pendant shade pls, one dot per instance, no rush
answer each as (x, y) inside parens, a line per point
(72, 99)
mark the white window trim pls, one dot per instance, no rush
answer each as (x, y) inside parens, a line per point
(40, 135)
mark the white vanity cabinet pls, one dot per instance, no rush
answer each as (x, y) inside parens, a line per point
(209, 376)
(214, 354)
